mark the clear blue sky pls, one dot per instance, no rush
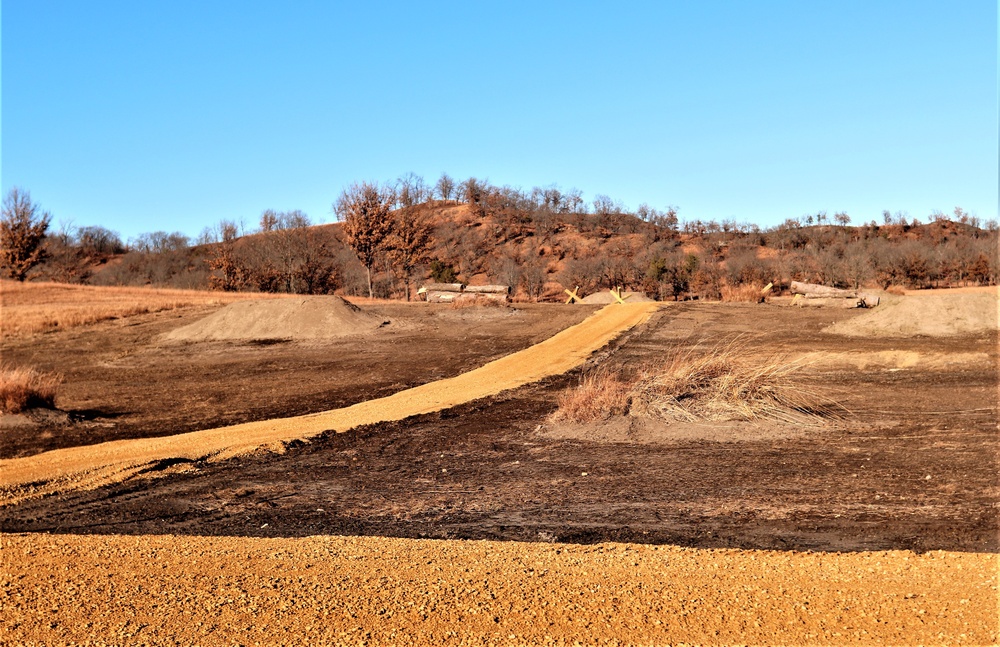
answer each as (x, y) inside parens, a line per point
(170, 115)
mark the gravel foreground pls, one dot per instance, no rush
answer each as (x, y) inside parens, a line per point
(170, 590)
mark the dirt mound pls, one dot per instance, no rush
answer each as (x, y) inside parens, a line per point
(929, 315)
(294, 318)
(607, 297)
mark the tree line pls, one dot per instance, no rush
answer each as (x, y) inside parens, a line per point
(392, 235)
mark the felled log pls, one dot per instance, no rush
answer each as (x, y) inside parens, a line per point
(814, 291)
(442, 287)
(488, 289)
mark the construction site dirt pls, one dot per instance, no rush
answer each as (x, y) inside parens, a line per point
(910, 462)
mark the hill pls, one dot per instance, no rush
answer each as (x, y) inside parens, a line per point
(541, 245)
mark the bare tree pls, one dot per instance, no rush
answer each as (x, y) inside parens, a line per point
(445, 186)
(473, 190)
(364, 209)
(268, 220)
(506, 270)
(22, 230)
(411, 190)
(409, 242)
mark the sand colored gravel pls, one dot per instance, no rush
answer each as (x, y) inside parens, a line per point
(96, 465)
(316, 317)
(168, 590)
(606, 297)
(932, 313)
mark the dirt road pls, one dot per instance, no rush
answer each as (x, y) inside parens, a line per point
(97, 465)
(365, 590)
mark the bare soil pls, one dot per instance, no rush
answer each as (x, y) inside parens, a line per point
(914, 465)
(123, 380)
(721, 534)
(927, 314)
(92, 466)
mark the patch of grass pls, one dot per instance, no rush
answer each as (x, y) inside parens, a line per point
(729, 381)
(744, 292)
(25, 388)
(599, 396)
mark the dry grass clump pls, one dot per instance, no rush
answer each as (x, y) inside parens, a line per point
(724, 383)
(474, 301)
(729, 381)
(744, 292)
(897, 290)
(33, 307)
(599, 396)
(25, 388)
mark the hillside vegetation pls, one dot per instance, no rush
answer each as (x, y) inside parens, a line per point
(539, 242)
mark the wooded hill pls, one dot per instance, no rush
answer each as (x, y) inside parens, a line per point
(539, 242)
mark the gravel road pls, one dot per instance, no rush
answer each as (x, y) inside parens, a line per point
(166, 590)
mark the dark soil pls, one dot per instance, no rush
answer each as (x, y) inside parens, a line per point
(913, 466)
(124, 381)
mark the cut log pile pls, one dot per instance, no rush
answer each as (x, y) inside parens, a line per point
(448, 292)
(811, 294)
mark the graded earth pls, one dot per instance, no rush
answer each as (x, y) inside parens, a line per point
(877, 526)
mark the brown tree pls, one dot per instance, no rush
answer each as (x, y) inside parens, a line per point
(364, 209)
(409, 242)
(22, 230)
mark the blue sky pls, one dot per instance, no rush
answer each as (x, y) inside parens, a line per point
(144, 116)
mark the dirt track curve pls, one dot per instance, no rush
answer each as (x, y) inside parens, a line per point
(92, 466)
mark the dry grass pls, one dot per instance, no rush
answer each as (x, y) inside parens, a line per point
(897, 290)
(24, 388)
(476, 301)
(744, 292)
(599, 396)
(730, 381)
(34, 307)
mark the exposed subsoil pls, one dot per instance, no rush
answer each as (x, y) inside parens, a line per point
(913, 466)
(122, 380)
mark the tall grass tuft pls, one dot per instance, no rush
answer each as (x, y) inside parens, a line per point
(744, 292)
(599, 396)
(475, 301)
(729, 381)
(25, 388)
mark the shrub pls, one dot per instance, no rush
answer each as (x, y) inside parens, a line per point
(24, 388)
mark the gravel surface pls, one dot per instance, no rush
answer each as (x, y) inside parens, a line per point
(166, 590)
